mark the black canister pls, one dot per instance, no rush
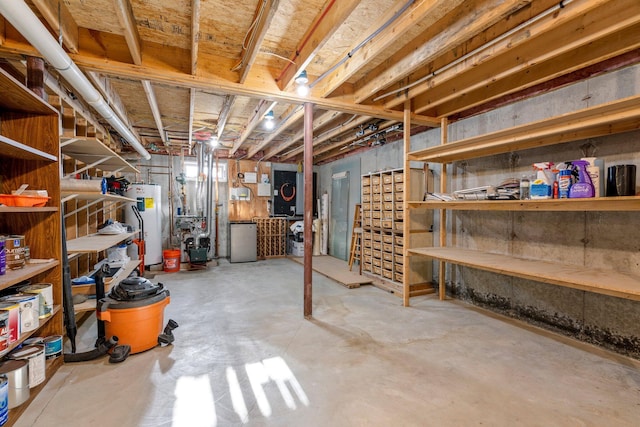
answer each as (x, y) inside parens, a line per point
(621, 180)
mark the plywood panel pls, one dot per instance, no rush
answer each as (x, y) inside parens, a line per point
(241, 210)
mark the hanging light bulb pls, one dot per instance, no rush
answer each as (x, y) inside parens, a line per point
(301, 82)
(269, 120)
(302, 78)
(213, 141)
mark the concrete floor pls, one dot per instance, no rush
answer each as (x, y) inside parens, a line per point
(244, 355)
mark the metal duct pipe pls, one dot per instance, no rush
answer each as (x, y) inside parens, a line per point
(28, 24)
(209, 197)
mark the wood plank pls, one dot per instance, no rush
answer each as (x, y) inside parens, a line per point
(336, 269)
(124, 13)
(89, 150)
(610, 204)
(608, 282)
(604, 119)
(86, 195)
(61, 21)
(94, 243)
(31, 269)
(16, 97)
(265, 11)
(18, 150)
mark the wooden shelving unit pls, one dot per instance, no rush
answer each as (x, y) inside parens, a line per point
(605, 119)
(30, 154)
(383, 234)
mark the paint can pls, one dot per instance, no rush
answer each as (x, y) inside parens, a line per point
(4, 401)
(33, 340)
(17, 373)
(44, 291)
(3, 256)
(29, 310)
(34, 354)
(4, 333)
(14, 247)
(13, 310)
(52, 346)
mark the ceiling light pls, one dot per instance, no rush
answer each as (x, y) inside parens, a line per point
(213, 141)
(302, 78)
(269, 124)
(269, 115)
(302, 90)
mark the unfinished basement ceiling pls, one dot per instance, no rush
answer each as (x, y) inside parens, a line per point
(216, 67)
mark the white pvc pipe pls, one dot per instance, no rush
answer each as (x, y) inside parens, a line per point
(28, 24)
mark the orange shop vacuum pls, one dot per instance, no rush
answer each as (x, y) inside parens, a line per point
(133, 311)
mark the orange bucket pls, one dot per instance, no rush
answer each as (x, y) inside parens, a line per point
(171, 259)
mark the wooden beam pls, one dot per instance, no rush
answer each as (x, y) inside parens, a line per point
(59, 18)
(227, 104)
(397, 27)
(128, 22)
(290, 121)
(317, 123)
(195, 43)
(580, 36)
(259, 111)
(263, 16)
(327, 149)
(319, 32)
(2, 30)
(360, 120)
(195, 34)
(153, 103)
(447, 35)
(102, 84)
(308, 209)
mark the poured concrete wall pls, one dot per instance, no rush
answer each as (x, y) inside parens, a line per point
(609, 240)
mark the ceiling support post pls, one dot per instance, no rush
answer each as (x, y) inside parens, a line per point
(308, 208)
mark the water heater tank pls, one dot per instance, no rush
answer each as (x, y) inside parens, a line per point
(150, 206)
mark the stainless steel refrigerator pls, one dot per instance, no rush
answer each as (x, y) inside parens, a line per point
(244, 242)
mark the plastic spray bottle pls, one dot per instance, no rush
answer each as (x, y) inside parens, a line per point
(583, 188)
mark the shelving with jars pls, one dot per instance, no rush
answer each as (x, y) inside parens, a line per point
(383, 237)
(29, 154)
(606, 119)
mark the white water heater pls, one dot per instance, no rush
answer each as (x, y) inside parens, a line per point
(149, 204)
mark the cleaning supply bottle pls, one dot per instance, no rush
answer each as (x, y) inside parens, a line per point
(583, 188)
(541, 187)
(564, 183)
(595, 169)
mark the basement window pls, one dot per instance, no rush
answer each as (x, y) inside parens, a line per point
(191, 171)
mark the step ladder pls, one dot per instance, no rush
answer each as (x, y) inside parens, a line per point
(356, 238)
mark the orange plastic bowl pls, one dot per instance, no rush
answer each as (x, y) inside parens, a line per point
(23, 201)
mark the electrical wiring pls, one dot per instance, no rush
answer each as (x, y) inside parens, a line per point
(250, 32)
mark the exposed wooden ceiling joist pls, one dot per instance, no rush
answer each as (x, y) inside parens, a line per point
(57, 15)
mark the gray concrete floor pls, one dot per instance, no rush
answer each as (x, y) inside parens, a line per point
(244, 355)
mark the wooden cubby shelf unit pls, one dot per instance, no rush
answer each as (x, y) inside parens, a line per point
(608, 282)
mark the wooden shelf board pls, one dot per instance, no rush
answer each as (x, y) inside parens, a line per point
(608, 282)
(16, 97)
(627, 203)
(32, 268)
(123, 273)
(605, 119)
(94, 243)
(90, 150)
(87, 195)
(19, 209)
(17, 150)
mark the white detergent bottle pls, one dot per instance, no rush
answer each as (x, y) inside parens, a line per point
(596, 173)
